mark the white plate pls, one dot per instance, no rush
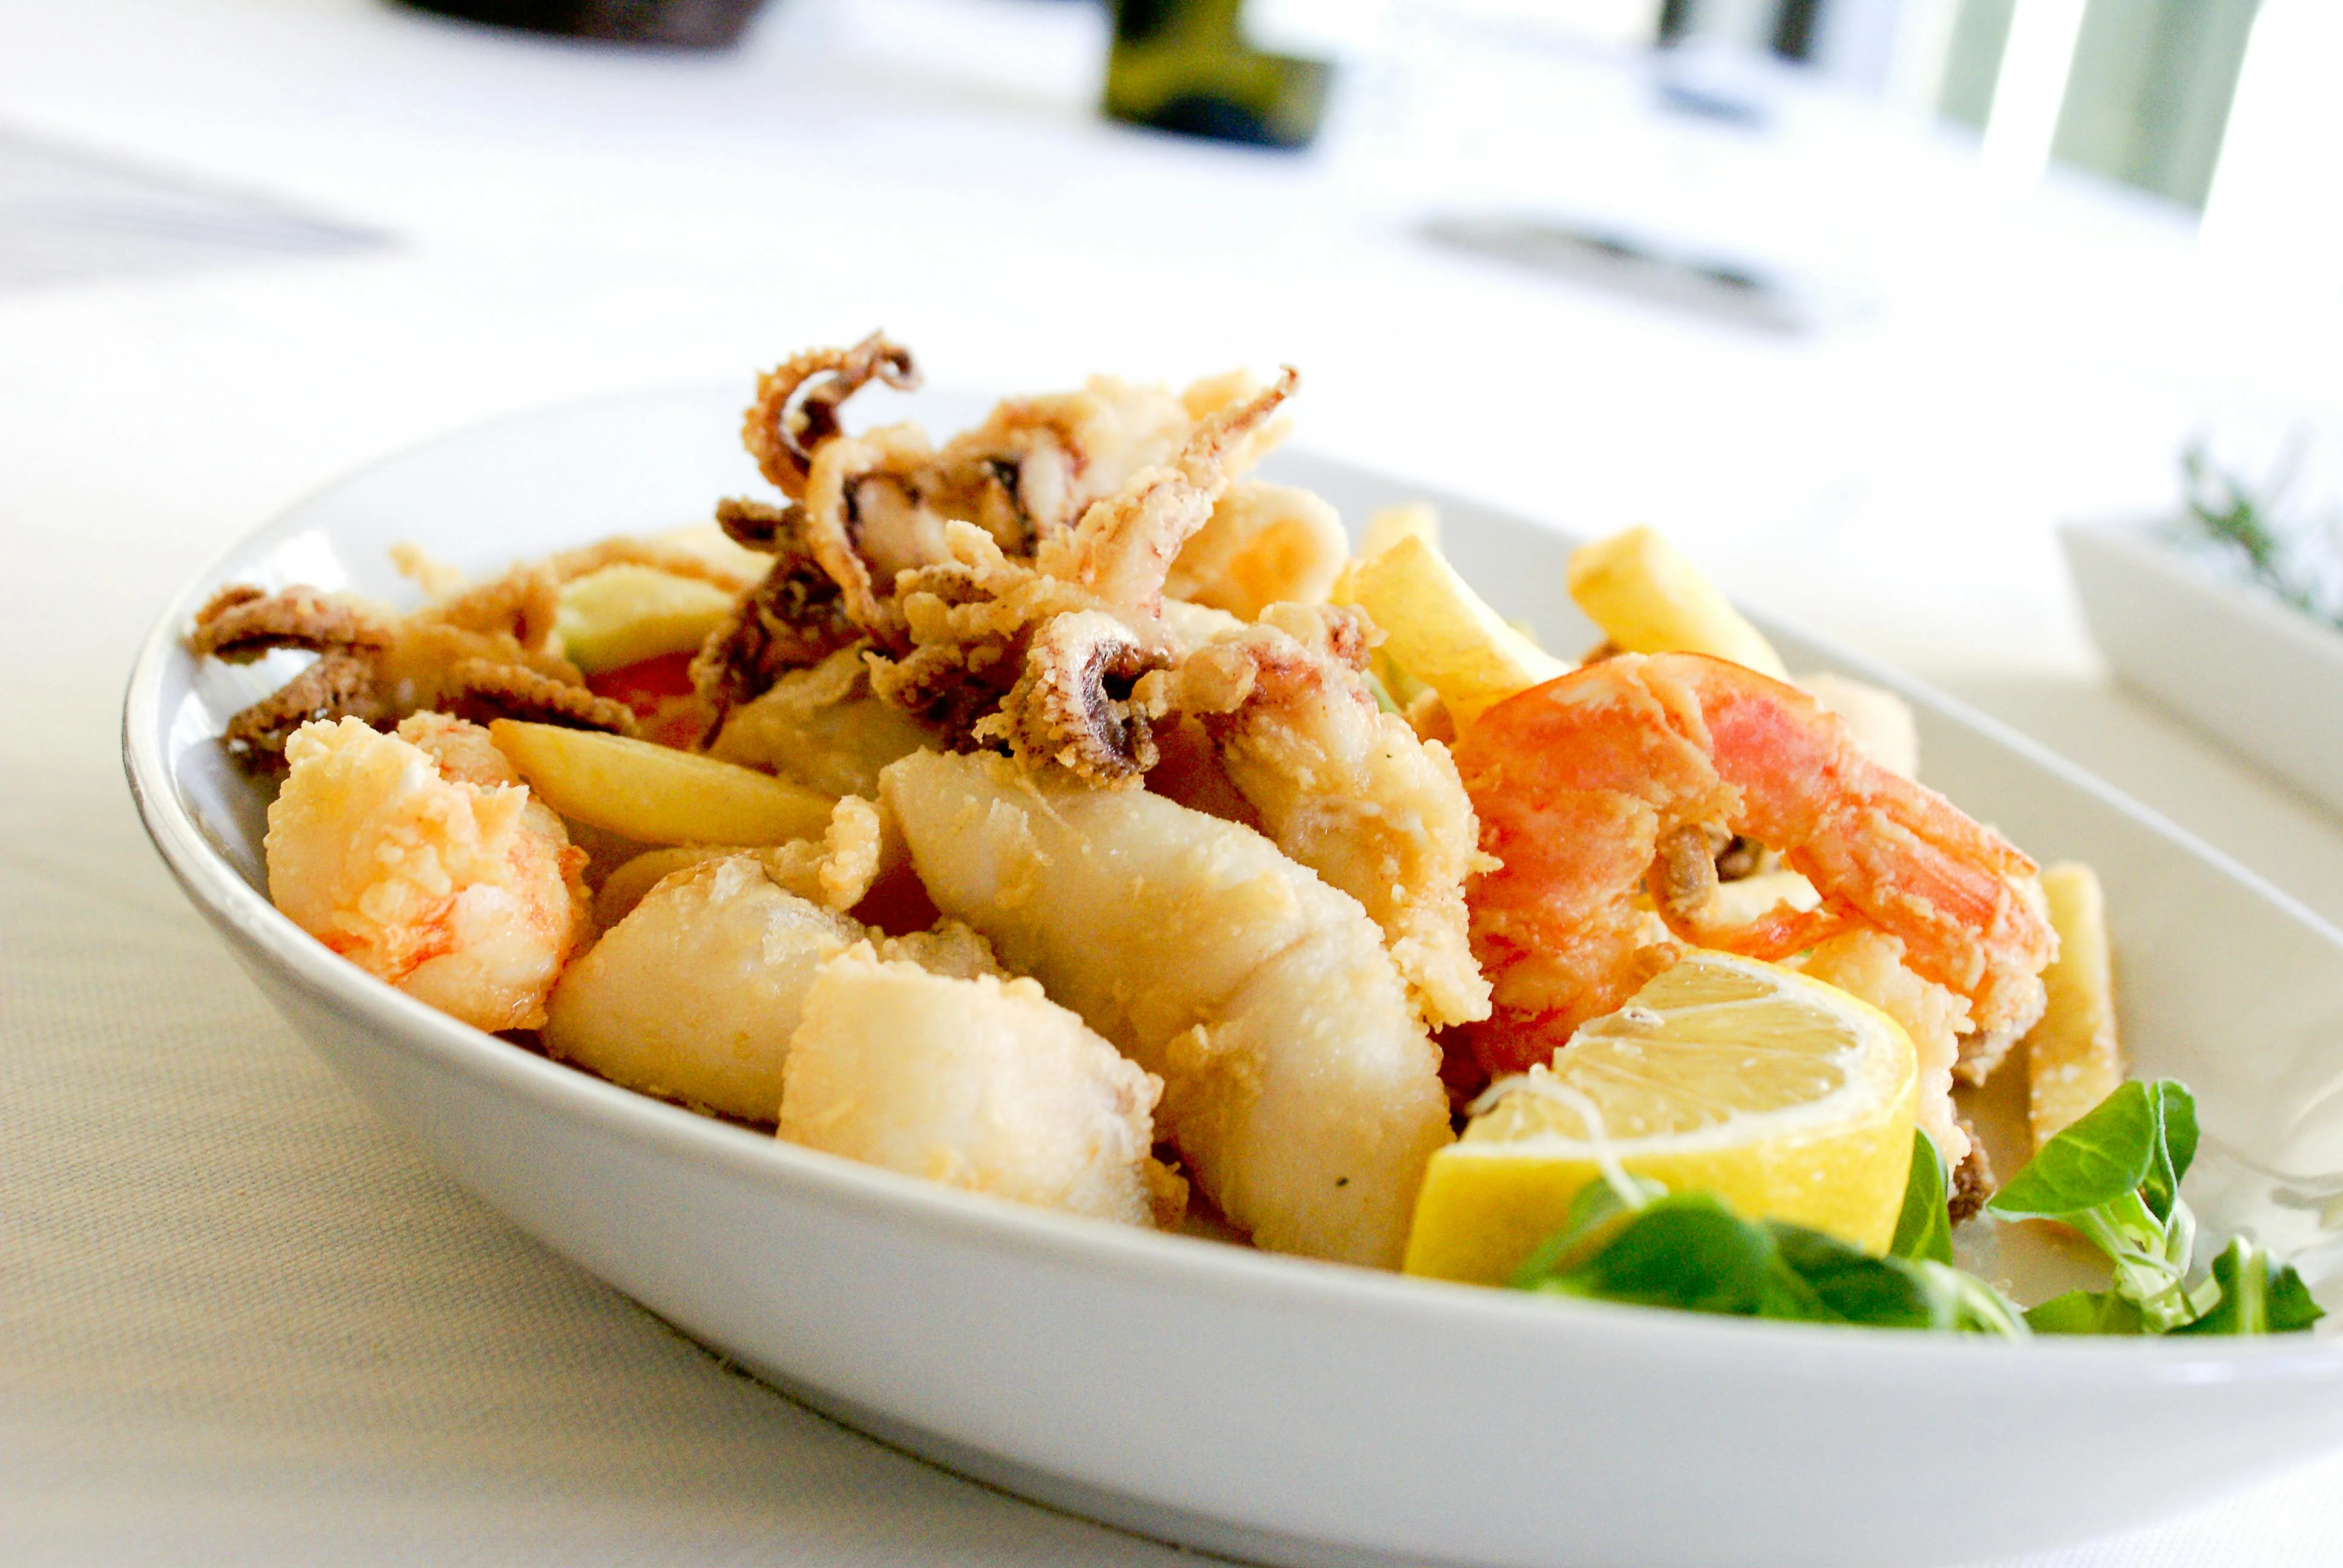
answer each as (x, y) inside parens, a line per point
(2263, 677)
(1274, 1408)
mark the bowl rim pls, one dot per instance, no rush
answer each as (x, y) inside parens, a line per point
(2141, 541)
(221, 894)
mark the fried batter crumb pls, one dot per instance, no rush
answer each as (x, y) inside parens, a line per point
(1973, 1181)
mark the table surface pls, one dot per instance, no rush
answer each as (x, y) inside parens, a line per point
(238, 1318)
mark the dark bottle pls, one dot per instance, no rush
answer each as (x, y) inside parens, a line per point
(1184, 65)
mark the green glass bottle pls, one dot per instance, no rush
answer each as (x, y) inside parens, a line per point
(1184, 65)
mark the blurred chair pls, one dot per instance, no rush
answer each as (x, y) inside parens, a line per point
(670, 23)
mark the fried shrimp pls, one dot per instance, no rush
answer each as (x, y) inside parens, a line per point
(1346, 789)
(1299, 1086)
(422, 859)
(1869, 964)
(1595, 784)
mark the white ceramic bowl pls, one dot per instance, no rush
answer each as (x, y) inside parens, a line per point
(2263, 677)
(1273, 1408)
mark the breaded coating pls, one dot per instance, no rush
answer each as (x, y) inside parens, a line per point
(421, 857)
(1301, 1088)
(979, 1084)
(1348, 791)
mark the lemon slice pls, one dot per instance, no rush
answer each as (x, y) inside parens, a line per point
(1788, 1099)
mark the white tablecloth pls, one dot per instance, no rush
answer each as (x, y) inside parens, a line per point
(237, 1321)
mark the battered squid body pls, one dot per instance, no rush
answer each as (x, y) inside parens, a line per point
(725, 990)
(1299, 1086)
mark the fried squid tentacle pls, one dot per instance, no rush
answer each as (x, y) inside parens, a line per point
(1076, 703)
(1125, 545)
(796, 410)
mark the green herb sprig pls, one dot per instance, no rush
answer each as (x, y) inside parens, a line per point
(2280, 559)
(1643, 1245)
(2114, 1176)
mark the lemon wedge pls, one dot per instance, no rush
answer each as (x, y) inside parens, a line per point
(1786, 1097)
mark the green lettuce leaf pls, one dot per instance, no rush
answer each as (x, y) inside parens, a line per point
(1925, 1229)
(2258, 1295)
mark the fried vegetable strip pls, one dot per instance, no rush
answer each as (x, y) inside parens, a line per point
(1437, 629)
(1648, 598)
(2073, 1058)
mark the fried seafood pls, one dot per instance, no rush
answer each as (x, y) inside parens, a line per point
(793, 619)
(1030, 472)
(1112, 720)
(968, 630)
(866, 508)
(979, 1084)
(796, 409)
(1347, 790)
(421, 859)
(1263, 544)
(1869, 964)
(1076, 704)
(837, 870)
(1126, 542)
(694, 994)
(823, 727)
(1603, 780)
(1299, 1086)
(488, 652)
(1025, 475)
(1045, 658)
(950, 569)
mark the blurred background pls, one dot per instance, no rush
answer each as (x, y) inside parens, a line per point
(1855, 297)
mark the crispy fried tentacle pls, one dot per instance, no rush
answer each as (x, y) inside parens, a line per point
(567, 566)
(1075, 706)
(797, 404)
(755, 524)
(339, 685)
(1125, 545)
(240, 623)
(828, 522)
(793, 619)
(521, 603)
(481, 689)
